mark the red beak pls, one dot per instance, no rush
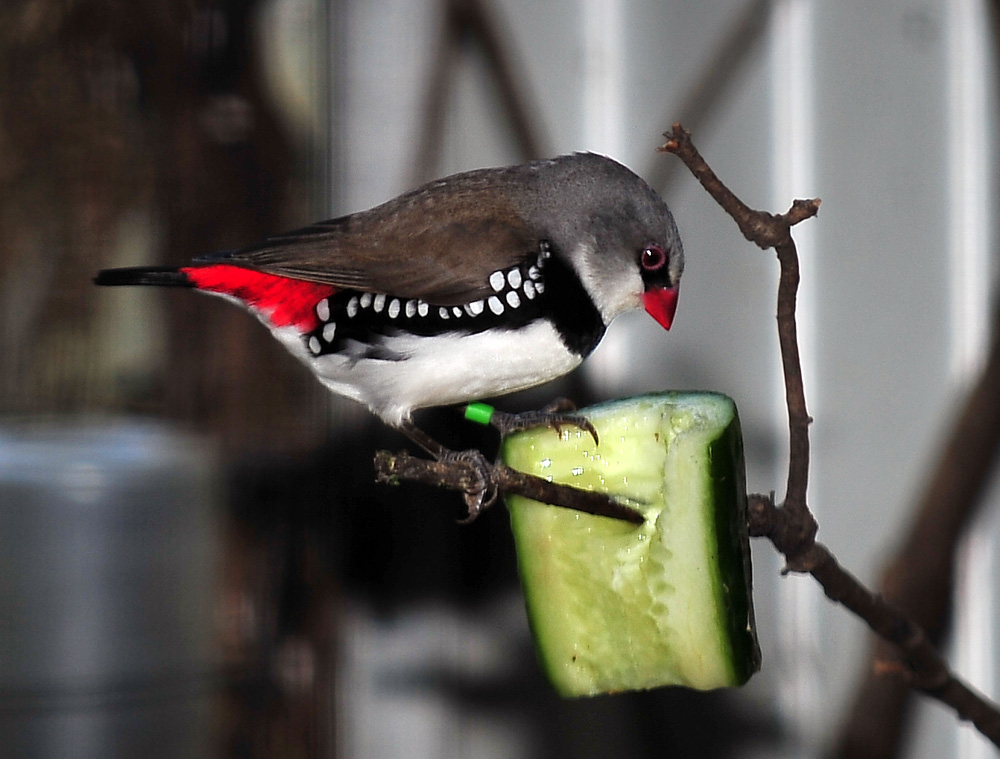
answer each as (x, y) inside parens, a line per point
(661, 303)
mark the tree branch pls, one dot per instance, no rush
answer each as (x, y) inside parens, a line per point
(461, 476)
(771, 231)
(791, 526)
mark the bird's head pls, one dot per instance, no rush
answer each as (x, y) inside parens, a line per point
(617, 234)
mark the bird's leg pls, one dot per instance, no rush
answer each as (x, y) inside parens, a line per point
(555, 415)
(483, 491)
(421, 438)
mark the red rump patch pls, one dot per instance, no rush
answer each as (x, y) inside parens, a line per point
(286, 302)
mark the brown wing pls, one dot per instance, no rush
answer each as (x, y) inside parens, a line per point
(434, 244)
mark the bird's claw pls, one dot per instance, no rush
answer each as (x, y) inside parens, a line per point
(559, 406)
(481, 489)
(555, 416)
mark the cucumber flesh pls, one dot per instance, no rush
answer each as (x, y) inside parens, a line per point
(618, 607)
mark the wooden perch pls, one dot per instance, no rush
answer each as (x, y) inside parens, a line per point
(456, 475)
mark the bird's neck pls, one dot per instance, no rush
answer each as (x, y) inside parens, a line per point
(571, 309)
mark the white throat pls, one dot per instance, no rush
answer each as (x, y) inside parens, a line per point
(613, 289)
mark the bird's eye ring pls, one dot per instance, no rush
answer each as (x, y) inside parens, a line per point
(653, 258)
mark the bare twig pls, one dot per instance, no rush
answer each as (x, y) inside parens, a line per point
(771, 231)
(460, 476)
(925, 669)
(791, 526)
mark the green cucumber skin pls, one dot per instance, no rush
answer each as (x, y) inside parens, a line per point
(736, 636)
(733, 542)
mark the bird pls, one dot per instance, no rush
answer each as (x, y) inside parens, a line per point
(472, 286)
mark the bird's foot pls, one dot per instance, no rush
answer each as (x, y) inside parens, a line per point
(480, 487)
(556, 415)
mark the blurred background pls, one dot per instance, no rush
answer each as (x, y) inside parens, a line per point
(194, 559)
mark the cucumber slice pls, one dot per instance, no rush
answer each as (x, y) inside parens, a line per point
(616, 607)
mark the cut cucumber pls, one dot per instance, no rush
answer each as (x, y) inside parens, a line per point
(616, 607)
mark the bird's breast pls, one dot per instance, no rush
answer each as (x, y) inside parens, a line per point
(448, 368)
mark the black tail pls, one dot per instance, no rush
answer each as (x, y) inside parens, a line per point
(162, 276)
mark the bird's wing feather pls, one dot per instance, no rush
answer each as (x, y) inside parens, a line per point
(435, 244)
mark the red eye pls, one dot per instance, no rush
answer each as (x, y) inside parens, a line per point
(653, 258)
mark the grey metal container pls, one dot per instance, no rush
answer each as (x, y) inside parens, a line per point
(109, 548)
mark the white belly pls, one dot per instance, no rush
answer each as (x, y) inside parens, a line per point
(442, 370)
